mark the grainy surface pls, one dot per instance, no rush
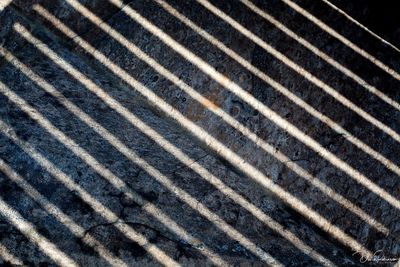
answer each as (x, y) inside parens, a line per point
(202, 209)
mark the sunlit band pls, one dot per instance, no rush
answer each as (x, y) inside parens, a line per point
(102, 171)
(66, 180)
(248, 98)
(183, 195)
(4, 4)
(8, 257)
(293, 97)
(321, 54)
(189, 162)
(300, 70)
(52, 209)
(343, 39)
(360, 25)
(221, 149)
(28, 230)
(244, 130)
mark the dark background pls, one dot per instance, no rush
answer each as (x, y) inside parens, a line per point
(380, 16)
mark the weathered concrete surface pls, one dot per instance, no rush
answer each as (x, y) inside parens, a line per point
(188, 252)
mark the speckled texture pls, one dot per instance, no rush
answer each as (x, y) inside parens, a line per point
(183, 250)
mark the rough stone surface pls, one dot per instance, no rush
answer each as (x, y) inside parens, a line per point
(206, 231)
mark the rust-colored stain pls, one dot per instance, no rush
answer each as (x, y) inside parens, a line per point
(225, 81)
(209, 104)
(212, 100)
(214, 96)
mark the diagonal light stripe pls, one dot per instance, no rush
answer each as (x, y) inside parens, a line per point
(300, 70)
(117, 182)
(52, 209)
(189, 162)
(321, 54)
(66, 180)
(28, 229)
(4, 4)
(360, 25)
(220, 148)
(248, 98)
(342, 39)
(8, 257)
(216, 110)
(243, 129)
(131, 155)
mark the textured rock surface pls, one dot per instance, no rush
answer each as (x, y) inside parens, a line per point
(193, 213)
